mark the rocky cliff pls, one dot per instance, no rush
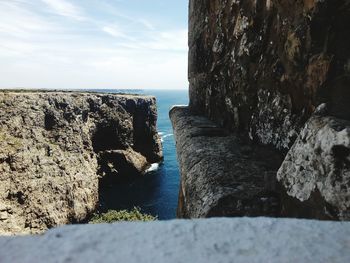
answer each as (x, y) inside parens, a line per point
(260, 69)
(58, 147)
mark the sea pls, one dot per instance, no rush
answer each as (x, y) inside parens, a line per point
(156, 193)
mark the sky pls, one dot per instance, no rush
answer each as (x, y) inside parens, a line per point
(93, 44)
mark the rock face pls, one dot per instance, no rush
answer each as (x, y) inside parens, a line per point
(56, 145)
(222, 175)
(260, 69)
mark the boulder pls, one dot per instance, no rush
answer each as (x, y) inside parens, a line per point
(316, 170)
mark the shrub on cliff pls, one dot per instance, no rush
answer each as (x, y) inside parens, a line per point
(123, 215)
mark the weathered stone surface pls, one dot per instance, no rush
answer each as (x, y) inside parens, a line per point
(221, 174)
(51, 144)
(238, 240)
(316, 170)
(261, 67)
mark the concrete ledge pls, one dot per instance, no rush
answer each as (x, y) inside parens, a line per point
(221, 173)
(205, 240)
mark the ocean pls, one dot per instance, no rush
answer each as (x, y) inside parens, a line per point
(156, 193)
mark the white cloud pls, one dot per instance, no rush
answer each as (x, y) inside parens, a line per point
(103, 52)
(65, 8)
(113, 31)
(147, 24)
(126, 69)
(175, 40)
(20, 22)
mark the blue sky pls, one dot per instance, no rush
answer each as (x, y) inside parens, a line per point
(90, 44)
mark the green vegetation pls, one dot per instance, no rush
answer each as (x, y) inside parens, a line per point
(123, 215)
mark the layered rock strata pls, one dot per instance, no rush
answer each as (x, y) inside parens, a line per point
(260, 69)
(57, 146)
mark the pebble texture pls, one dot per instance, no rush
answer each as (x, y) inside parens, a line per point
(221, 174)
(54, 146)
(211, 240)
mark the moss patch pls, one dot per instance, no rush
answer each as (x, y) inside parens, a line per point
(123, 215)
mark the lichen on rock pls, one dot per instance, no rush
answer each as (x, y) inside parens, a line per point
(319, 164)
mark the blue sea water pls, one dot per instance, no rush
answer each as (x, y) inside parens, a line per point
(157, 192)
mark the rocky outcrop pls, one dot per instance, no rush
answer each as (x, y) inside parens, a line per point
(222, 174)
(224, 240)
(317, 169)
(260, 69)
(56, 145)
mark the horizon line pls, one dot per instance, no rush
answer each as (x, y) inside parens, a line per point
(89, 89)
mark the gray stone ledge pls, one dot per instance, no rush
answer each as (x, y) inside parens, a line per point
(221, 173)
(205, 240)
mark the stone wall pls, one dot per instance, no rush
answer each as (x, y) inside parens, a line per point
(261, 69)
(55, 148)
(222, 240)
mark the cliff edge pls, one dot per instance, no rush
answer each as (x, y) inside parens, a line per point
(58, 147)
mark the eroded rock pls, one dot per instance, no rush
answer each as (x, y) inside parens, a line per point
(316, 171)
(260, 68)
(51, 149)
(116, 165)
